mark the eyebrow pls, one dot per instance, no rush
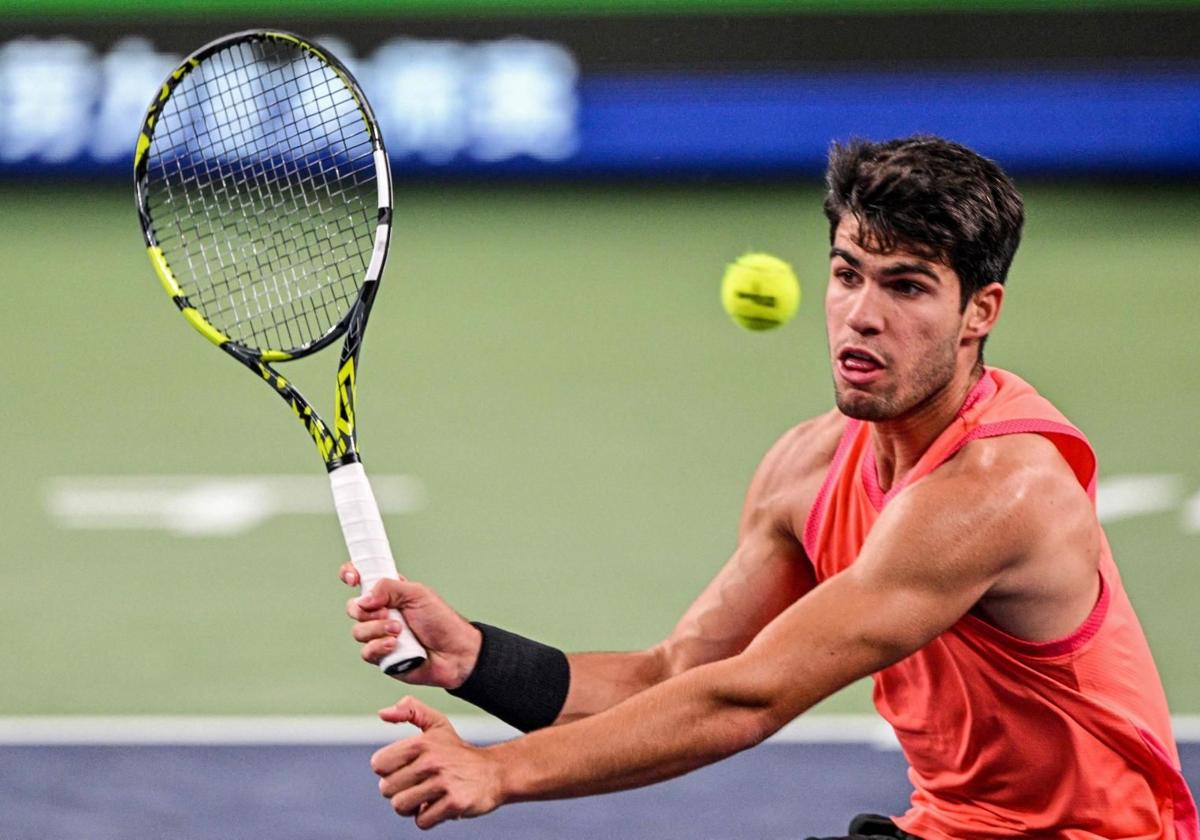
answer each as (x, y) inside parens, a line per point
(891, 270)
(838, 252)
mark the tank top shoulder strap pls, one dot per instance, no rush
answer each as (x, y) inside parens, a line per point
(1004, 404)
(1001, 403)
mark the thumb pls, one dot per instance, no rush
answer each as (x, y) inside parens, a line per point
(396, 593)
(411, 710)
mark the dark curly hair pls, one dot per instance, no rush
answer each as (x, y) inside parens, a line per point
(931, 196)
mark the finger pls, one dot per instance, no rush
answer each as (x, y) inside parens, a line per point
(387, 760)
(409, 802)
(365, 631)
(411, 710)
(420, 769)
(445, 807)
(348, 574)
(377, 649)
(359, 614)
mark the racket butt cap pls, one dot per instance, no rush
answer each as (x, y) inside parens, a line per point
(401, 666)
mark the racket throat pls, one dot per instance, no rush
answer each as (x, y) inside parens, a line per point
(343, 461)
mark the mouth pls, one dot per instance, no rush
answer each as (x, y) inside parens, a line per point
(859, 366)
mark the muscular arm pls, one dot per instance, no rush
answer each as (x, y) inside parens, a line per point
(986, 532)
(939, 548)
(766, 573)
(744, 597)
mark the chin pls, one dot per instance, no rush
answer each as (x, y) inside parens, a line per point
(864, 407)
(859, 406)
(870, 413)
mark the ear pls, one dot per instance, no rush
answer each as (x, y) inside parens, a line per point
(982, 312)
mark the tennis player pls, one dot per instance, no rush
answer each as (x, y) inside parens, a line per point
(937, 531)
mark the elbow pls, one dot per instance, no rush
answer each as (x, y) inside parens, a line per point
(748, 726)
(667, 659)
(761, 724)
(729, 728)
(647, 668)
(756, 704)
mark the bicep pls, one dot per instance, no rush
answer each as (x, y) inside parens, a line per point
(769, 570)
(928, 560)
(765, 575)
(921, 569)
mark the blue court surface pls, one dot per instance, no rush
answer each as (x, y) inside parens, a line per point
(105, 791)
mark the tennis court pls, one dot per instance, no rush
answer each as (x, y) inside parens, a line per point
(778, 791)
(558, 418)
(211, 792)
(566, 420)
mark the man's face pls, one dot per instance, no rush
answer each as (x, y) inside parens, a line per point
(894, 326)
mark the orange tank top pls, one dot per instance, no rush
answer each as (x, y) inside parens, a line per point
(1006, 737)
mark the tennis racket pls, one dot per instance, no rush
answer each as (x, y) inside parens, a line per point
(265, 198)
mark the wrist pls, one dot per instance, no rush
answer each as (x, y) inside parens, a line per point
(520, 681)
(509, 773)
(469, 658)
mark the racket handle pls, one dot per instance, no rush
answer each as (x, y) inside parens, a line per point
(367, 542)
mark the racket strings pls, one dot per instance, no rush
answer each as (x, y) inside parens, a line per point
(288, 251)
(282, 293)
(294, 259)
(279, 256)
(261, 182)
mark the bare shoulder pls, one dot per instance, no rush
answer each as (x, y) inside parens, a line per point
(1014, 487)
(1016, 501)
(787, 480)
(805, 447)
(1024, 472)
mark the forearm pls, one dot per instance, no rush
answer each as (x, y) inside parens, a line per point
(600, 681)
(531, 685)
(661, 732)
(714, 710)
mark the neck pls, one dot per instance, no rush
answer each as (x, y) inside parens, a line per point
(901, 442)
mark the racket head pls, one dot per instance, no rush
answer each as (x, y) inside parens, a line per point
(264, 194)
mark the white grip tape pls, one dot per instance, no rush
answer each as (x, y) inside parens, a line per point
(367, 542)
(383, 179)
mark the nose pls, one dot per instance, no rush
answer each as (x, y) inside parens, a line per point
(865, 315)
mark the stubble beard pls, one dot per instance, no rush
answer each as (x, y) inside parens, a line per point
(897, 401)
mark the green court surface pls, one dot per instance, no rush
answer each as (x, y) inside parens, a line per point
(552, 366)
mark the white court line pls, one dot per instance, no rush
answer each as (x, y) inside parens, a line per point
(227, 505)
(1127, 496)
(1191, 515)
(222, 729)
(206, 505)
(300, 730)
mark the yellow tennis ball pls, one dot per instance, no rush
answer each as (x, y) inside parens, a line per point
(759, 291)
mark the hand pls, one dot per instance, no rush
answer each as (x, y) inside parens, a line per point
(435, 776)
(451, 642)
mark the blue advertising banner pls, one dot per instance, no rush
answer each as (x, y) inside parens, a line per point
(523, 106)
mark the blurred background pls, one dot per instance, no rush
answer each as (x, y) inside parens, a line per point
(559, 418)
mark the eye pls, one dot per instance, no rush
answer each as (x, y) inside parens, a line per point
(907, 288)
(846, 276)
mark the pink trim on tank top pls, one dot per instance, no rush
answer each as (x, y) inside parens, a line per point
(879, 499)
(984, 389)
(1070, 643)
(1041, 427)
(1183, 806)
(813, 523)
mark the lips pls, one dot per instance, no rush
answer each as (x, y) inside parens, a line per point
(859, 366)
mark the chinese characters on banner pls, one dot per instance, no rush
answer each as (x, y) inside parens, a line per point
(436, 101)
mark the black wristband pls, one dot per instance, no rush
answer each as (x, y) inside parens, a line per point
(520, 681)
